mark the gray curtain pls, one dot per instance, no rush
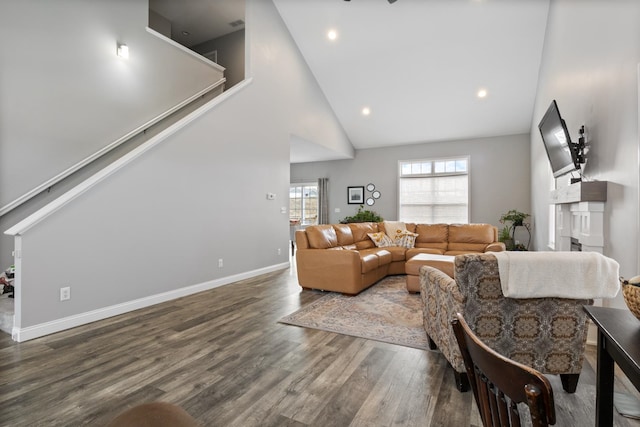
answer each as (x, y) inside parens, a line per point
(323, 200)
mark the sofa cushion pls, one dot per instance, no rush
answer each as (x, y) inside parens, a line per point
(360, 230)
(410, 227)
(380, 239)
(462, 252)
(344, 234)
(369, 261)
(434, 236)
(470, 237)
(384, 257)
(415, 251)
(397, 253)
(471, 233)
(321, 236)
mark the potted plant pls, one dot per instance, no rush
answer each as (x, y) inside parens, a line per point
(512, 219)
(505, 237)
(515, 217)
(362, 215)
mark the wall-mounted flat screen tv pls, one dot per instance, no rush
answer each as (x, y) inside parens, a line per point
(555, 136)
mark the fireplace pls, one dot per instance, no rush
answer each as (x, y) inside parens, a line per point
(576, 246)
(580, 216)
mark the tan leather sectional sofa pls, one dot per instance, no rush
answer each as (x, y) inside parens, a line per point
(343, 258)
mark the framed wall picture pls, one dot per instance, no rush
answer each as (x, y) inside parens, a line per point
(355, 195)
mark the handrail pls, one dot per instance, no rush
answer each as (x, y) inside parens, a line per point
(109, 170)
(42, 187)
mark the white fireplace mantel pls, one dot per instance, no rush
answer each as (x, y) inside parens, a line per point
(580, 215)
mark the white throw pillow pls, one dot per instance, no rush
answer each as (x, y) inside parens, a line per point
(406, 239)
(381, 240)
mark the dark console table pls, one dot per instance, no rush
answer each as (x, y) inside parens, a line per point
(619, 342)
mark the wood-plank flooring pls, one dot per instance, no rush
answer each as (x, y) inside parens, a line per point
(223, 357)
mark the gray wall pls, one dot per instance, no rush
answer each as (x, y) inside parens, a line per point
(65, 93)
(159, 23)
(162, 222)
(590, 66)
(230, 49)
(499, 172)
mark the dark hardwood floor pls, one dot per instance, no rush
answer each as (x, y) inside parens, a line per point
(223, 357)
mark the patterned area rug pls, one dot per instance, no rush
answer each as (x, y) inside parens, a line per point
(385, 312)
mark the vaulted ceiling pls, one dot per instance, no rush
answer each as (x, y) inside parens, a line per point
(416, 65)
(419, 65)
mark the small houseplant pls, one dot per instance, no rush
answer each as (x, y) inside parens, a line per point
(515, 217)
(362, 215)
(512, 219)
(505, 237)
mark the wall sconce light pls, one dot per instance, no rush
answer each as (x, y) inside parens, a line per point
(123, 51)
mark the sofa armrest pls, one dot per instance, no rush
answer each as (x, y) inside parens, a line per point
(319, 268)
(441, 299)
(495, 247)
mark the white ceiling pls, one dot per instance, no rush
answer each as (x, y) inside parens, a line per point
(418, 64)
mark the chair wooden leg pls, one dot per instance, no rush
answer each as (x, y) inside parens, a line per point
(462, 381)
(432, 344)
(569, 382)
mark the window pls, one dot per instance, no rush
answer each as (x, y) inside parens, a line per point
(303, 203)
(434, 191)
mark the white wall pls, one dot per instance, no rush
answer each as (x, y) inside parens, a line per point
(230, 49)
(65, 93)
(589, 65)
(499, 171)
(161, 223)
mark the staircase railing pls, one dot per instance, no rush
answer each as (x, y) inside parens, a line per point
(113, 167)
(108, 148)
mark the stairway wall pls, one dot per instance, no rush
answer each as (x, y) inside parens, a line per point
(65, 92)
(158, 226)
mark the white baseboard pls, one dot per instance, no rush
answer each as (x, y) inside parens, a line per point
(47, 328)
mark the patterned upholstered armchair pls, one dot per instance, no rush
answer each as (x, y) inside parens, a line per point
(548, 334)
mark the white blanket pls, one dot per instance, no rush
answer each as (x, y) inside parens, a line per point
(576, 275)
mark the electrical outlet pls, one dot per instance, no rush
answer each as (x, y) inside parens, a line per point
(220, 263)
(279, 251)
(65, 293)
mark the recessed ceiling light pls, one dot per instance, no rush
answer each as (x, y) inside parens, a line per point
(366, 111)
(332, 34)
(482, 93)
(186, 33)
